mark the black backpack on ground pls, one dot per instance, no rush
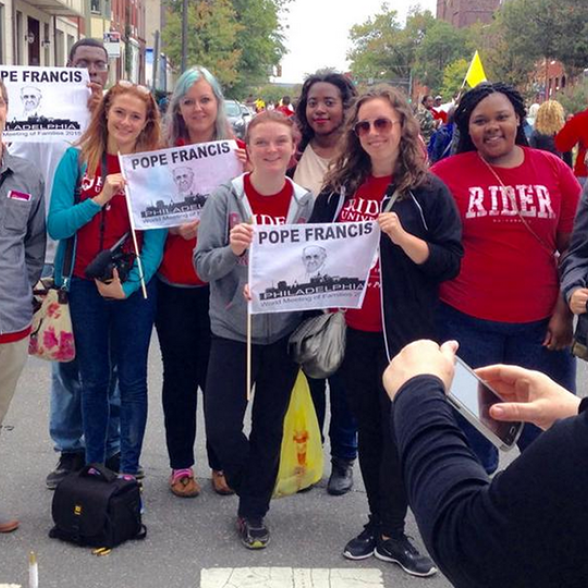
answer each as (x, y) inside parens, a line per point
(95, 507)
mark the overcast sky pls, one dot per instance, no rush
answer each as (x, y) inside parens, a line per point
(318, 32)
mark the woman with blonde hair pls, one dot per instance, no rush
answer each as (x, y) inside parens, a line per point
(196, 114)
(110, 316)
(381, 175)
(549, 121)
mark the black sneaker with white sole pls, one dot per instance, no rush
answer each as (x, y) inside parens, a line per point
(68, 464)
(406, 555)
(254, 534)
(364, 545)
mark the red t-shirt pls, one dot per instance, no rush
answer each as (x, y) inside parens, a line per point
(177, 265)
(285, 110)
(506, 274)
(439, 115)
(112, 222)
(365, 205)
(269, 209)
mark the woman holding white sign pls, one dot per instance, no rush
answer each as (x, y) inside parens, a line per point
(195, 115)
(381, 175)
(108, 309)
(264, 196)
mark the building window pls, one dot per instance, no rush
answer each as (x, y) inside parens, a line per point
(95, 6)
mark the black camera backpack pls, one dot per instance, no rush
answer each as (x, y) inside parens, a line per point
(95, 507)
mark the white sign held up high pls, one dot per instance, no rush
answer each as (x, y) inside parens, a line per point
(45, 103)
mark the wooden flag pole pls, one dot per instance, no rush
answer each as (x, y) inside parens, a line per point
(252, 222)
(132, 221)
(248, 351)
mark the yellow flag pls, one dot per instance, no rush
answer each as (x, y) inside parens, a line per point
(475, 73)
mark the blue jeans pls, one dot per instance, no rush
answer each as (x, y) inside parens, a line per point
(120, 329)
(483, 342)
(65, 411)
(343, 427)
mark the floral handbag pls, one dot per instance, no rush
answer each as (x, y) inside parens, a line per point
(51, 331)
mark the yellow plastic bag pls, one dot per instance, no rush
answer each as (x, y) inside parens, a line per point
(301, 459)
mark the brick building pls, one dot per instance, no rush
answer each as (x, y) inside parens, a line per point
(463, 13)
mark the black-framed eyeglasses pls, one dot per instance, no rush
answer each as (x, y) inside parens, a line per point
(98, 65)
(381, 125)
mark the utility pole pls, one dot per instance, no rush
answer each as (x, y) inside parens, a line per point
(184, 35)
(156, 52)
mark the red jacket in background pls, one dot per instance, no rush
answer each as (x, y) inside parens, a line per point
(575, 131)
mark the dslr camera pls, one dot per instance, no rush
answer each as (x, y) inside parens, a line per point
(102, 266)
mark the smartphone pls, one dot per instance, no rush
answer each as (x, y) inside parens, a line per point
(472, 398)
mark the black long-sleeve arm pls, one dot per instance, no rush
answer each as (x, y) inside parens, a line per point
(525, 528)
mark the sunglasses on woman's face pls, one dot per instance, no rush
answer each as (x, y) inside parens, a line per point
(381, 125)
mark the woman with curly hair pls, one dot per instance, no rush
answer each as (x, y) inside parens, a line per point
(111, 318)
(549, 121)
(380, 174)
(320, 114)
(517, 205)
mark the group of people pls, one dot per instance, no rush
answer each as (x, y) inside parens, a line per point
(469, 251)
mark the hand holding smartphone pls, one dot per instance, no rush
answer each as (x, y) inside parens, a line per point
(472, 398)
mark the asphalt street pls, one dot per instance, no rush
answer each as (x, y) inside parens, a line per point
(185, 536)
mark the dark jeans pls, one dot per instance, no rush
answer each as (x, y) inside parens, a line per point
(65, 412)
(342, 428)
(183, 328)
(251, 465)
(483, 342)
(124, 325)
(363, 367)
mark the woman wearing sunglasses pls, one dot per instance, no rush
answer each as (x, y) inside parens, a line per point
(196, 114)
(420, 247)
(111, 318)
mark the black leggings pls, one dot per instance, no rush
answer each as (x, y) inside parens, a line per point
(251, 465)
(183, 328)
(364, 364)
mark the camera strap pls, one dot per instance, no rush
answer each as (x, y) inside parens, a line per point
(67, 268)
(103, 174)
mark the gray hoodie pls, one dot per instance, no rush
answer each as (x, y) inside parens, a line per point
(227, 273)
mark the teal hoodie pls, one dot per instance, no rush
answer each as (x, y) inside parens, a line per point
(66, 218)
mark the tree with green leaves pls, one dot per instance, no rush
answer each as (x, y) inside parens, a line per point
(443, 44)
(212, 39)
(261, 45)
(546, 30)
(453, 77)
(240, 41)
(384, 50)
